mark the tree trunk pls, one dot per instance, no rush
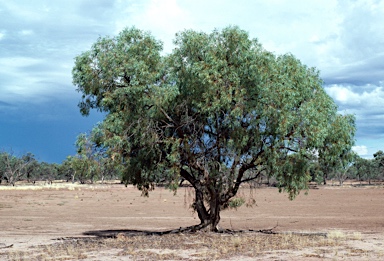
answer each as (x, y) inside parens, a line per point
(200, 208)
(325, 176)
(214, 214)
(208, 219)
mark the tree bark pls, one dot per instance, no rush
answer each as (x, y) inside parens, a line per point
(214, 213)
(200, 208)
(209, 219)
(325, 179)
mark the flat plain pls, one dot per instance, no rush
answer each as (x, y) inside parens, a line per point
(113, 222)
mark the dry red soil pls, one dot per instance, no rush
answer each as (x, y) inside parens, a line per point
(40, 215)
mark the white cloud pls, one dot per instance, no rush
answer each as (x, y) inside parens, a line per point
(362, 28)
(308, 30)
(366, 103)
(23, 10)
(326, 34)
(26, 32)
(343, 94)
(372, 96)
(10, 63)
(360, 150)
(163, 18)
(357, 37)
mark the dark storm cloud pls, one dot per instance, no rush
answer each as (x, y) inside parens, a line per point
(41, 39)
(38, 43)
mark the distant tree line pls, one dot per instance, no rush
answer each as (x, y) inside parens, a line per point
(90, 164)
(354, 168)
(26, 167)
(87, 166)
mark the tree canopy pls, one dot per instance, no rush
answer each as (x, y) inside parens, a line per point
(217, 111)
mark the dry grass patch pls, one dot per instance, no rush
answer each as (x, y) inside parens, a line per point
(2, 205)
(203, 246)
(197, 246)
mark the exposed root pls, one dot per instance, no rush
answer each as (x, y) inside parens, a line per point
(9, 246)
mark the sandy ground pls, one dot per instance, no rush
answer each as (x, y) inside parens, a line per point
(31, 216)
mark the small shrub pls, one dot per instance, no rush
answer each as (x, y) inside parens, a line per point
(236, 203)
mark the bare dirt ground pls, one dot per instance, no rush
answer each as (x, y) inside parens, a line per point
(350, 221)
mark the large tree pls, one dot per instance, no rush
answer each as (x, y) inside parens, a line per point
(217, 112)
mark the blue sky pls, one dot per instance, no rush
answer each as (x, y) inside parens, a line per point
(39, 40)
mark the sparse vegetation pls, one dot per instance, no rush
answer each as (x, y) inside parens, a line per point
(236, 202)
(201, 246)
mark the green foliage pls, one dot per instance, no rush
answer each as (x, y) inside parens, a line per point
(378, 163)
(91, 161)
(335, 154)
(343, 167)
(236, 202)
(288, 178)
(366, 169)
(46, 171)
(13, 168)
(218, 111)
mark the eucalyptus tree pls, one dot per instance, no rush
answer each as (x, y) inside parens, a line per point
(65, 170)
(378, 161)
(31, 170)
(88, 156)
(365, 169)
(2, 166)
(78, 168)
(217, 111)
(94, 158)
(48, 171)
(343, 169)
(91, 162)
(14, 168)
(335, 153)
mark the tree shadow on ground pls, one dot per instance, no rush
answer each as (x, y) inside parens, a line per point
(112, 233)
(193, 229)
